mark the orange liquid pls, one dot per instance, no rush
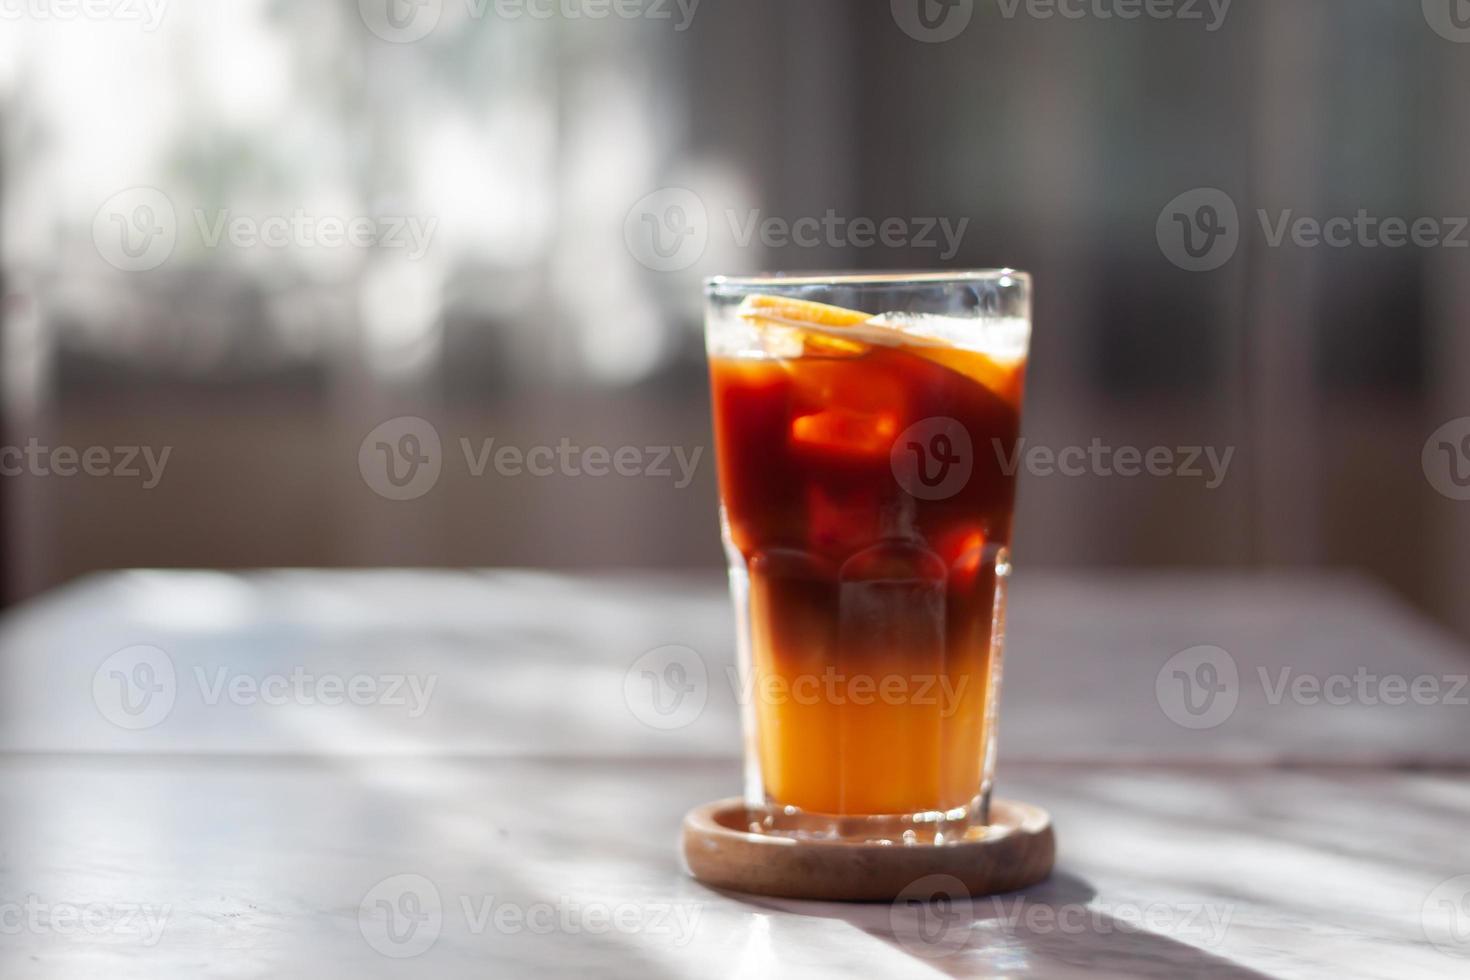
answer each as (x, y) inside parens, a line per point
(872, 610)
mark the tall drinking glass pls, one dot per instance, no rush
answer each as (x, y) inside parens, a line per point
(866, 430)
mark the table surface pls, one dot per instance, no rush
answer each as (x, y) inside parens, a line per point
(398, 773)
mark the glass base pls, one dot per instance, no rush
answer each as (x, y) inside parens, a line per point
(930, 828)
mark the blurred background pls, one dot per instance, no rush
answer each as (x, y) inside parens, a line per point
(253, 233)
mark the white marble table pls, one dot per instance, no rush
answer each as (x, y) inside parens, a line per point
(498, 805)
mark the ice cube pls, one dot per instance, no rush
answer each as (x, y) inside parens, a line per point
(846, 431)
(835, 408)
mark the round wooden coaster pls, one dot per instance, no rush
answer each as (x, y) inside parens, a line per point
(1017, 850)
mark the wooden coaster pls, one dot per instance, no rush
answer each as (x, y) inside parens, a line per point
(1017, 850)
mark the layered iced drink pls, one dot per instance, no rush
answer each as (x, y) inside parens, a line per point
(863, 429)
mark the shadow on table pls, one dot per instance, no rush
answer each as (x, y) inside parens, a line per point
(1052, 929)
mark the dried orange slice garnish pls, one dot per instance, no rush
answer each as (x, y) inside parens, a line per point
(799, 311)
(799, 315)
(818, 326)
(1005, 378)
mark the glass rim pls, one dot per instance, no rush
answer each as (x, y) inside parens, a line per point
(926, 277)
